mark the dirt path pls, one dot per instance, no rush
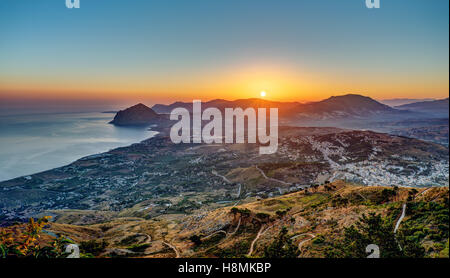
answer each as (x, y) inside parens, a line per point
(237, 228)
(300, 244)
(148, 240)
(423, 192)
(215, 233)
(361, 196)
(214, 172)
(305, 234)
(260, 233)
(173, 248)
(399, 221)
(271, 179)
(148, 237)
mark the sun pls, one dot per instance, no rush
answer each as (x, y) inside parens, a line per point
(263, 93)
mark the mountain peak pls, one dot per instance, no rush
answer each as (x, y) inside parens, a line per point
(136, 115)
(339, 107)
(355, 102)
(353, 97)
(139, 106)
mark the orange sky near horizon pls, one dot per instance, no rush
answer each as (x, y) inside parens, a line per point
(282, 83)
(166, 51)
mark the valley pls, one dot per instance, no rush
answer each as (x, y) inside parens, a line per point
(311, 198)
(315, 222)
(158, 177)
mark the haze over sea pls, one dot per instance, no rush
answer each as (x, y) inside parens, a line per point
(37, 142)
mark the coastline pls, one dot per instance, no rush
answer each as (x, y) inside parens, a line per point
(33, 144)
(81, 158)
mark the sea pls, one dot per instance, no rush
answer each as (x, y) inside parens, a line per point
(32, 143)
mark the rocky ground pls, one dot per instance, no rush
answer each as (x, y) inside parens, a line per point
(156, 177)
(315, 220)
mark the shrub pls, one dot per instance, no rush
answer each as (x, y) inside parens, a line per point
(93, 247)
(196, 239)
(139, 247)
(22, 240)
(282, 247)
(373, 229)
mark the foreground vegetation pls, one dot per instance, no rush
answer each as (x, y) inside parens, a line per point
(336, 220)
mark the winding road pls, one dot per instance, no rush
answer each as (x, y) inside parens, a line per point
(173, 248)
(148, 238)
(300, 244)
(260, 233)
(271, 179)
(399, 221)
(215, 233)
(237, 228)
(214, 172)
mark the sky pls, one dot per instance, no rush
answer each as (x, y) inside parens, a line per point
(166, 50)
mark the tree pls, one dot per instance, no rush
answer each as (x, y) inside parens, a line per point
(282, 247)
(196, 239)
(370, 229)
(22, 240)
(373, 229)
(93, 247)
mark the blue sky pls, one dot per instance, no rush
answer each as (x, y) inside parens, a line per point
(142, 43)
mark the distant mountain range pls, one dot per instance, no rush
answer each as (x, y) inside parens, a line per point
(435, 107)
(402, 101)
(221, 104)
(336, 108)
(341, 107)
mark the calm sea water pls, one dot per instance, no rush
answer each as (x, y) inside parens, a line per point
(33, 143)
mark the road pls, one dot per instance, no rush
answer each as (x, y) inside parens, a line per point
(272, 179)
(215, 233)
(173, 248)
(260, 233)
(397, 225)
(300, 244)
(237, 228)
(399, 221)
(220, 176)
(423, 192)
(148, 238)
(214, 172)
